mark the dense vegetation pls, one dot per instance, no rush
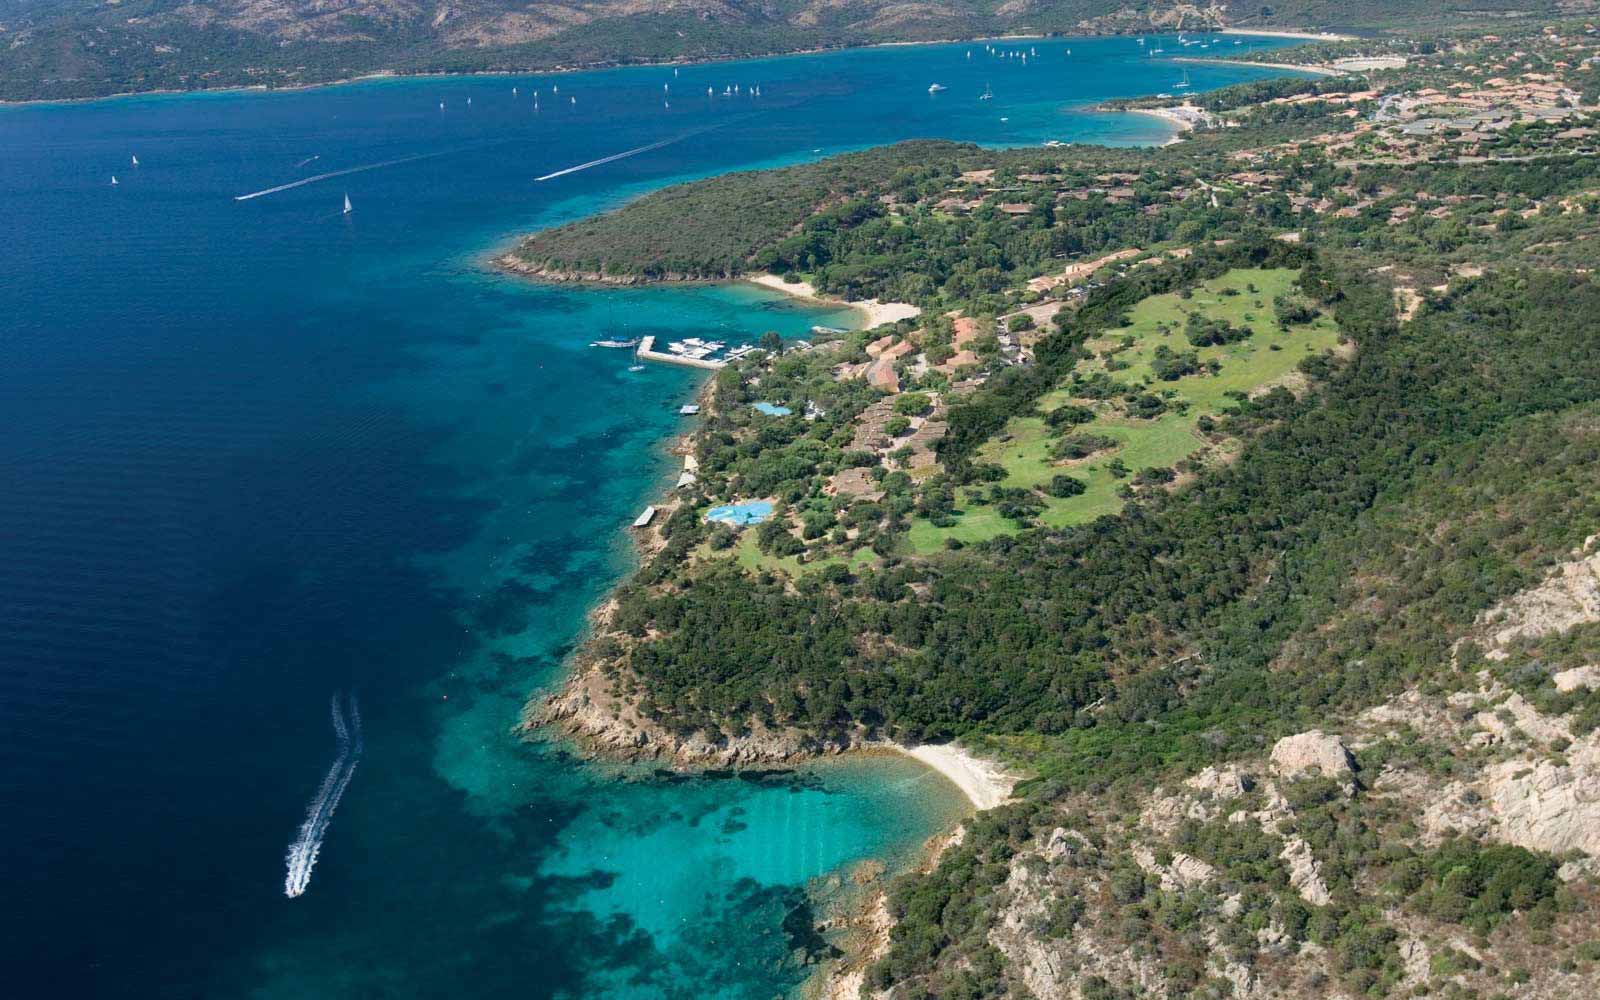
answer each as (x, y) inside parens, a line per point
(1022, 637)
(1375, 406)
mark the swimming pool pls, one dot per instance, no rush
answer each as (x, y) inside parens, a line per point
(772, 410)
(741, 514)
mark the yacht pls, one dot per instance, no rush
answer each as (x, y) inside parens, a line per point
(934, 88)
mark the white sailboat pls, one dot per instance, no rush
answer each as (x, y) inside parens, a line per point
(346, 204)
(113, 180)
(136, 160)
(1183, 85)
(934, 88)
(574, 100)
(987, 95)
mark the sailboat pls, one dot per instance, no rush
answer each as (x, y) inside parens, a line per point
(513, 92)
(113, 180)
(1184, 85)
(136, 160)
(987, 95)
(346, 204)
(934, 88)
(574, 100)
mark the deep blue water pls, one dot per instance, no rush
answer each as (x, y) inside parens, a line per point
(256, 452)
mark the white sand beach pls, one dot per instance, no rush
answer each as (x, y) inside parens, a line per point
(981, 781)
(874, 313)
(1319, 70)
(1310, 36)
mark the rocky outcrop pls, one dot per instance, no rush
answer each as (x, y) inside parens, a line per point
(586, 711)
(1569, 596)
(1314, 753)
(1548, 806)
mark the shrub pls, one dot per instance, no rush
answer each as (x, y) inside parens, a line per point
(1065, 486)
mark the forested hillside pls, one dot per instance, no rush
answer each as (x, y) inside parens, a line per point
(1242, 495)
(52, 49)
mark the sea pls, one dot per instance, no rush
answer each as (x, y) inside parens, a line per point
(299, 506)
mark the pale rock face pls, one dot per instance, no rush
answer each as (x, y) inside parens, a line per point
(1524, 719)
(1222, 783)
(1569, 596)
(1414, 954)
(1185, 872)
(1326, 753)
(1578, 677)
(1548, 806)
(1305, 874)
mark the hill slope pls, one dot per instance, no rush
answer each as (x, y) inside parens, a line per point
(52, 49)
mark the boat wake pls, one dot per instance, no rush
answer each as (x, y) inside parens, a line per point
(302, 856)
(627, 153)
(314, 178)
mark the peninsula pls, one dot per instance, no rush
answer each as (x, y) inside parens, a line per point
(1236, 495)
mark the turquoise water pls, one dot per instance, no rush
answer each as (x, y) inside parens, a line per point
(741, 514)
(260, 451)
(772, 409)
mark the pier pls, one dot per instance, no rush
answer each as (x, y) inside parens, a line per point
(647, 352)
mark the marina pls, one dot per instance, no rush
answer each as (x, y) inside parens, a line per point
(692, 352)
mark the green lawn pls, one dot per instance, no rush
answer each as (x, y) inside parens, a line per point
(750, 557)
(1024, 447)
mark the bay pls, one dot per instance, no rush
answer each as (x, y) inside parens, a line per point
(256, 452)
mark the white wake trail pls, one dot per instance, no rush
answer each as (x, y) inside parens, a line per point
(627, 153)
(302, 856)
(314, 178)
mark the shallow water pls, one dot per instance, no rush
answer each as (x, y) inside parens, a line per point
(256, 452)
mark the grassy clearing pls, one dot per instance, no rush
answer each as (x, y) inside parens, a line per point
(750, 557)
(1243, 298)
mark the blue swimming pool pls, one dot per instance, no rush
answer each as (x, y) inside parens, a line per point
(772, 409)
(741, 514)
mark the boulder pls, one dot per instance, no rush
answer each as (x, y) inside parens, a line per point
(1313, 752)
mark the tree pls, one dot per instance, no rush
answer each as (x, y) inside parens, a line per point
(771, 342)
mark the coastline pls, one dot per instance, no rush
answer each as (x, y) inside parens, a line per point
(602, 65)
(1286, 67)
(1310, 36)
(874, 313)
(1181, 125)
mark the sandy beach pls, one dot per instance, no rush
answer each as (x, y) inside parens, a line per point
(1290, 67)
(874, 313)
(982, 781)
(1310, 36)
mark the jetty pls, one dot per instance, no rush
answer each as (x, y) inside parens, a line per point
(691, 359)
